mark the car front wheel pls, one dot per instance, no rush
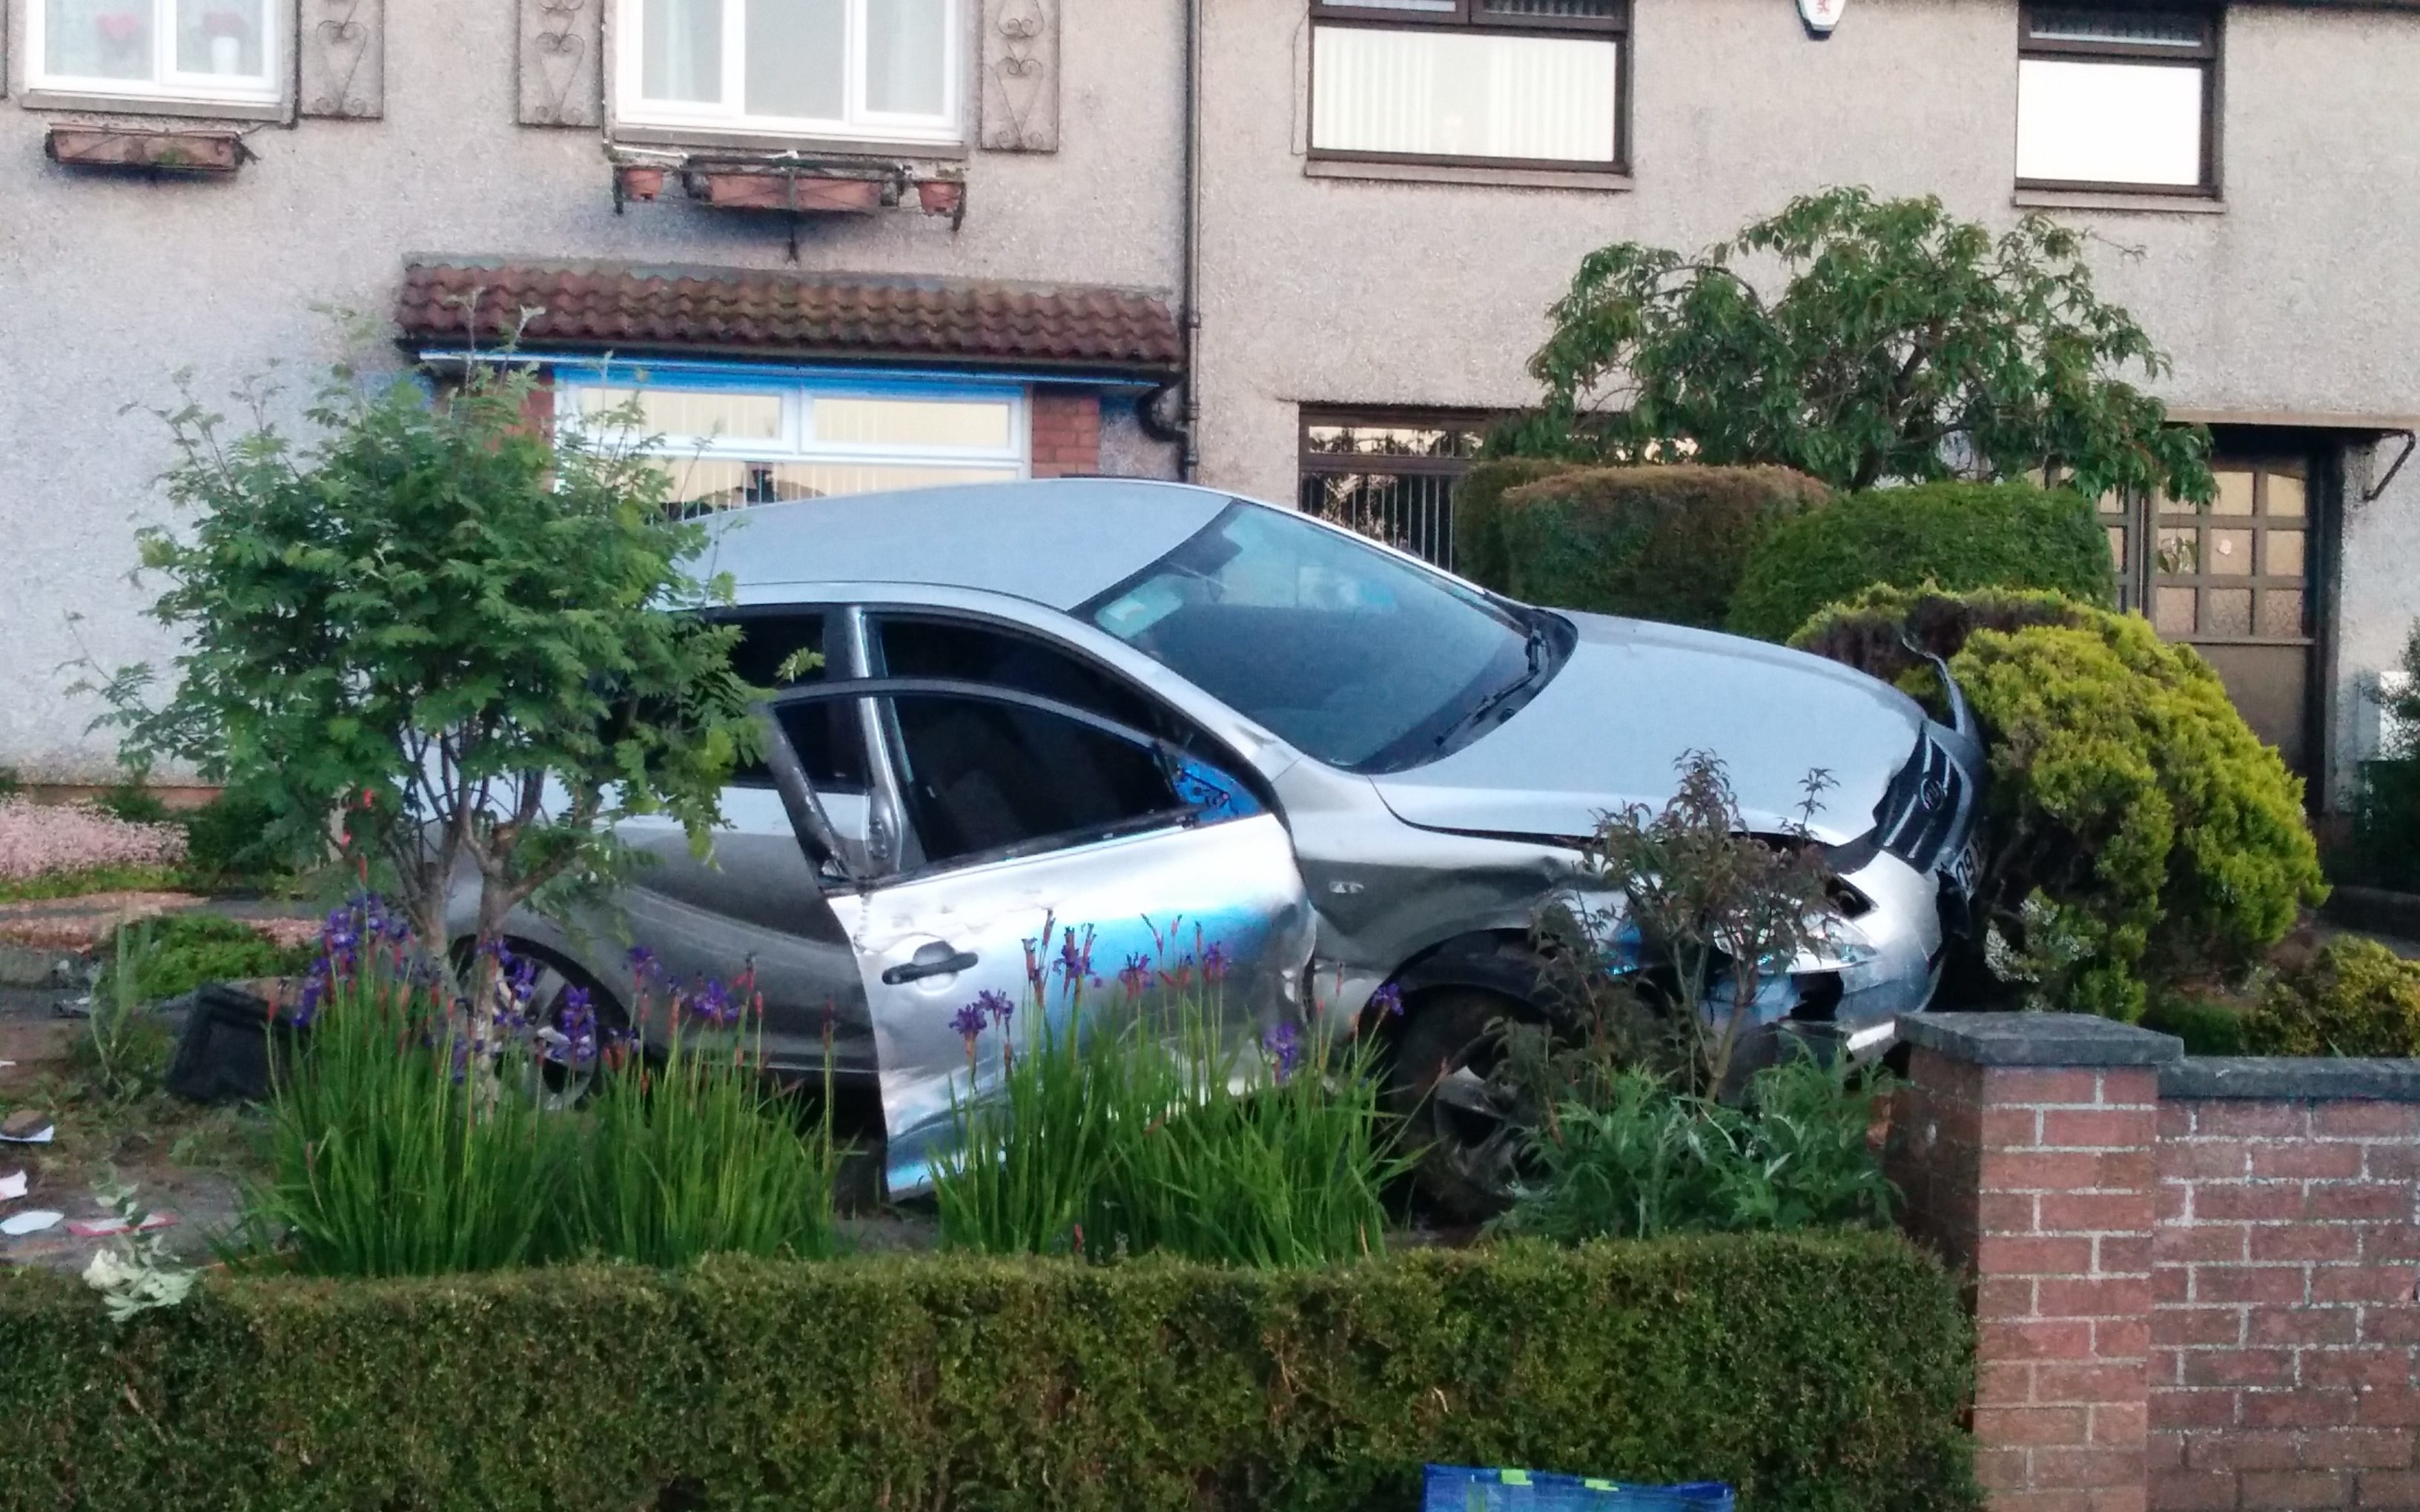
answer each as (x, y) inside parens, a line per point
(1442, 1083)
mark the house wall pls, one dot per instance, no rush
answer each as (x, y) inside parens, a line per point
(1315, 289)
(108, 285)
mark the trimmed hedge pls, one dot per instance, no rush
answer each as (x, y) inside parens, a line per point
(2354, 997)
(1657, 543)
(1954, 535)
(1478, 515)
(1823, 1372)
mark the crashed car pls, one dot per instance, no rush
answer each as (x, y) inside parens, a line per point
(1183, 727)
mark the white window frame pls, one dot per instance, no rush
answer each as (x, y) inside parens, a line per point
(856, 123)
(797, 442)
(267, 88)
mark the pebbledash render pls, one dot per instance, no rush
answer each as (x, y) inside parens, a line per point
(1298, 249)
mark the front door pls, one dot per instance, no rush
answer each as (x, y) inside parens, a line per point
(1066, 865)
(2236, 582)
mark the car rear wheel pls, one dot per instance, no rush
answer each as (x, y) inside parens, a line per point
(1442, 1085)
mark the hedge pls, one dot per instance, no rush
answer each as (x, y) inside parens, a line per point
(1955, 535)
(1657, 542)
(1817, 1371)
(1478, 515)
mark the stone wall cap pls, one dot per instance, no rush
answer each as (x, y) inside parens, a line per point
(2040, 1040)
(2292, 1078)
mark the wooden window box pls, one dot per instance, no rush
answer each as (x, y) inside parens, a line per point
(202, 152)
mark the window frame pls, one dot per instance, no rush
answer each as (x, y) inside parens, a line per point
(1431, 539)
(1467, 17)
(2208, 59)
(730, 118)
(799, 393)
(264, 91)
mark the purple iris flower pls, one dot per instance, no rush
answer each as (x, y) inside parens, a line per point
(713, 1003)
(1387, 1001)
(995, 1004)
(1136, 974)
(1213, 962)
(970, 1022)
(308, 1008)
(643, 962)
(1283, 1045)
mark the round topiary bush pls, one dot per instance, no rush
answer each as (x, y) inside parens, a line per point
(2139, 832)
(1657, 543)
(2354, 998)
(1957, 535)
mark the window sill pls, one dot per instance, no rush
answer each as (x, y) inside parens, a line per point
(701, 139)
(2117, 199)
(191, 110)
(1602, 180)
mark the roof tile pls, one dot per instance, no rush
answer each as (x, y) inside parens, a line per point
(756, 312)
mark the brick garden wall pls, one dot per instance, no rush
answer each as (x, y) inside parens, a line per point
(2193, 1279)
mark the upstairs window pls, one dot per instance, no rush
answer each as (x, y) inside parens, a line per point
(874, 70)
(2111, 98)
(211, 51)
(1511, 82)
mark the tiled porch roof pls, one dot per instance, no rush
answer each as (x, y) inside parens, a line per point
(761, 313)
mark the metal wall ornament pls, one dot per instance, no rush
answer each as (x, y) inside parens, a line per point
(1821, 16)
(342, 55)
(561, 77)
(1021, 75)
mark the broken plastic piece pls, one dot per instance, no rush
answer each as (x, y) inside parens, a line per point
(32, 1222)
(12, 1186)
(101, 1227)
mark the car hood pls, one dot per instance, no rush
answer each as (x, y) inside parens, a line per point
(1634, 696)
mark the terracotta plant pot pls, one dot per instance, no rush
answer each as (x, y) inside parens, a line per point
(642, 183)
(941, 196)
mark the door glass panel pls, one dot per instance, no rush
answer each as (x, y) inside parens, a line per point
(2281, 611)
(2180, 551)
(797, 58)
(2285, 554)
(2231, 553)
(987, 778)
(2118, 547)
(2234, 493)
(680, 49)
(2172, 610)
(2285, 496)
(2228, 611)
(966, 652)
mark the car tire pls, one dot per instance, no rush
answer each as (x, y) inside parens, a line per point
(1461, 1130)
(564, 1086)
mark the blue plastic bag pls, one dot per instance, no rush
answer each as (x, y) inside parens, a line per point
(1458, 1489)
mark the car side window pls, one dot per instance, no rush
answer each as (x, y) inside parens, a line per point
(785, 648)
(917, 646)
(984, 779)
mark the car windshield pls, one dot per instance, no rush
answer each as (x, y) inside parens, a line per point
(1351, 653)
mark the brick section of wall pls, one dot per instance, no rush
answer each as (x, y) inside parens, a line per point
(2038, 1183)
(1066, 432)
(2283, 1341)
(2194, 1280)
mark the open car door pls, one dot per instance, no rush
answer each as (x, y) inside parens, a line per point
(1060, 865)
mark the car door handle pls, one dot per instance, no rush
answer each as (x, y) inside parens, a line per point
(948, 965)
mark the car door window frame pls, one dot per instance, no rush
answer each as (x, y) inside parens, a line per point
(798, 789)
(1197, 740)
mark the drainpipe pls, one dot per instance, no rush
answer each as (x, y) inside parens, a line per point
(1190, 460)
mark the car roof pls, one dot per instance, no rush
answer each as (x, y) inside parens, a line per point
(1056, 541)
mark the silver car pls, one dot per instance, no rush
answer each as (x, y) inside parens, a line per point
(1033, 736)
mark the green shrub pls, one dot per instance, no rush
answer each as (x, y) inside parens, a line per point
(2207, 1028)
(176, 954)
(134, 801)
(1953, 536)
(1817, 1372)
(2385, 851)
(1657, 543)
(1644, 1161)
(233, 839)
(2354, 998)
(2139, 832)
(1478, 515)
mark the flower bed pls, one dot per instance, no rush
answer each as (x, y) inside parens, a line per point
(59, 849)
(1810, 1370)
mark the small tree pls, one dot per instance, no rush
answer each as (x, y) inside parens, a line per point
(1904, 345)
(430, 620)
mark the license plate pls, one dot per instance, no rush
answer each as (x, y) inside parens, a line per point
(1965, 870)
